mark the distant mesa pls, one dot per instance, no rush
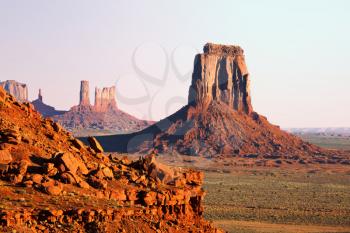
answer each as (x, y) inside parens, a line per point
(104, 116)
(219, 119)
(18, 90)
(104, 98)
(84, 119)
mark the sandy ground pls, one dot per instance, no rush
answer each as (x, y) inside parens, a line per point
(230, 225)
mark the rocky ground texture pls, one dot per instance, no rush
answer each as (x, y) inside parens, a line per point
(52, 182)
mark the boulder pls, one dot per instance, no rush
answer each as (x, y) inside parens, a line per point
(11, 136)
(37, 178)
(95, 145)
(53, 190)
(97, 183)
(68, 162)
(150, 198)
(118, 195)
(5, 157)
(50, 169)
(77, 143)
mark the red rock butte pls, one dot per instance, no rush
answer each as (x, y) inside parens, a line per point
(18, 90)
(221, 74)
(103, 115)
(219, 120)
(104, 98)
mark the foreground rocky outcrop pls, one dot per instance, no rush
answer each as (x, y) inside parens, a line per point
(219, 120)
(52, 182)
(19, 90)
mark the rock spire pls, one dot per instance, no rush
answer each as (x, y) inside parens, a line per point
(84, 93)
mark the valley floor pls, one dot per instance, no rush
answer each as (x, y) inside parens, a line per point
(250, 199)
(253, 227)
(278, 200)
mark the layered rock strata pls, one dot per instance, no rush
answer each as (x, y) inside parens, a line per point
(219, 120)
(221, 74)
(52, 182)
(101, 118)
(19, 90)
(105, 99)
(84, 99)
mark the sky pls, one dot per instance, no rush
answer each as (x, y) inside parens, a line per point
(297, 52)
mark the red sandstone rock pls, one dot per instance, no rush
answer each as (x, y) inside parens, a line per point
(37, 178)
(53, 190)
(84, 93)
(5, 156)
(103, 115)
(218, 120)
(95, 145)
(130, 184)
(105, 99)
(18, 90)
(67, 162)
(220, 74)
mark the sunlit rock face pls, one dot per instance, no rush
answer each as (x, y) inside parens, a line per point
(84, 93)
(105, 99)
(18, 90)
(102, 115)
(220, 74)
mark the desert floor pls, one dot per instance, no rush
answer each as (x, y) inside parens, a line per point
(277, 199)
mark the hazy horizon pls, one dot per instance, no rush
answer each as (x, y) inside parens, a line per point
(297, 53)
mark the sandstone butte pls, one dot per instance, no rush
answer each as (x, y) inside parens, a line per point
(52, 182)
(19, 90)
(219, 121)
(102, 115)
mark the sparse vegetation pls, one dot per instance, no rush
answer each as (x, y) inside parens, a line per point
(294, 197)
(328, 141)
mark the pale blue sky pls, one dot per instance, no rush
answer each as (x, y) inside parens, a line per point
(298, 52)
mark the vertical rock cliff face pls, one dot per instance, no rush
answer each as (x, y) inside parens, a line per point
(84, 93)
(219, 119)
(18, 90)
(220, 74)
(105, 99)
